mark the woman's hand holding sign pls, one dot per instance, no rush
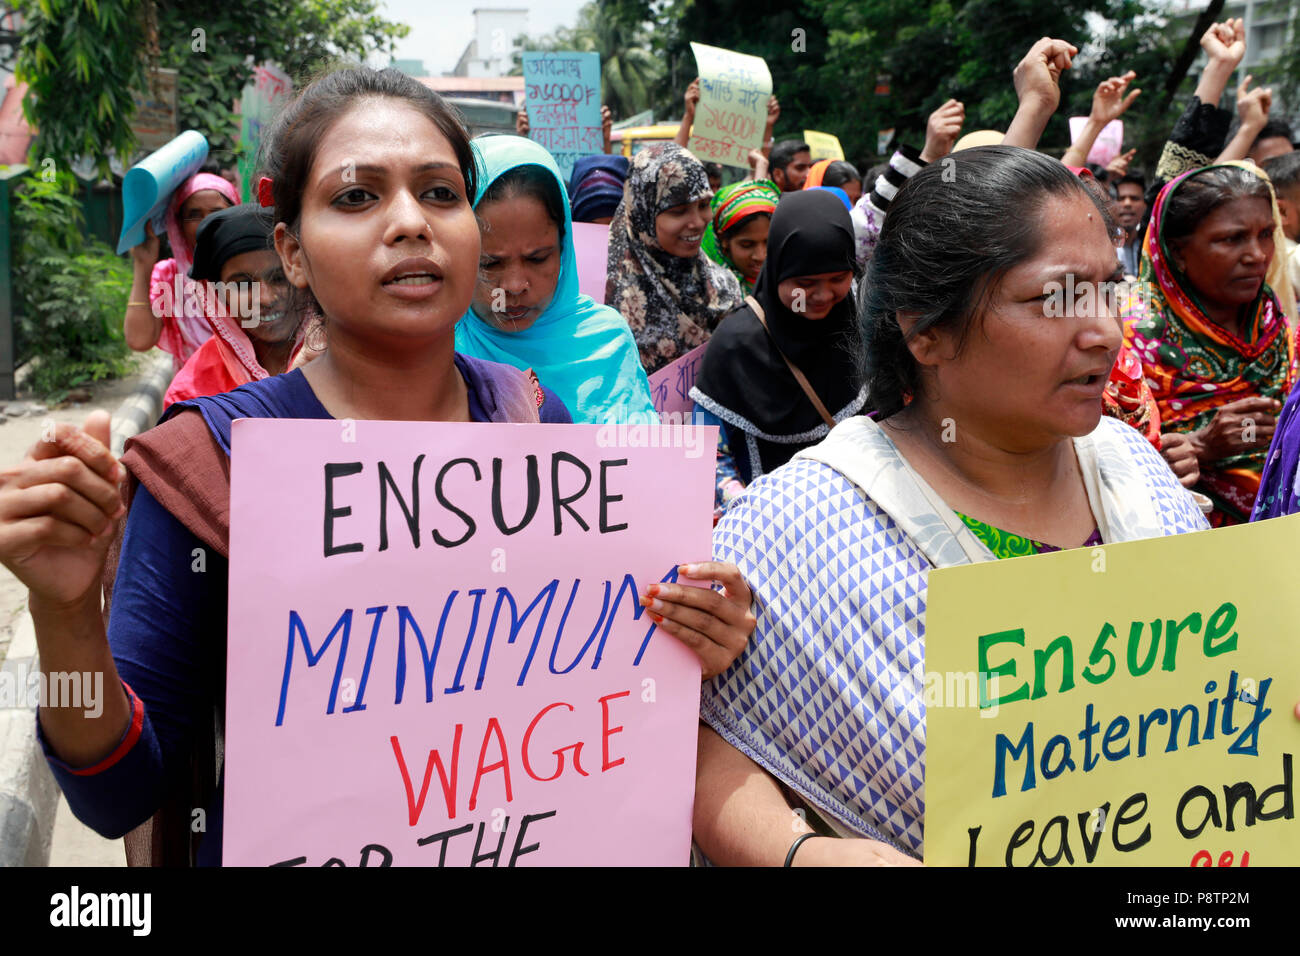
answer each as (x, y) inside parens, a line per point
(716, 625)
(59, 509)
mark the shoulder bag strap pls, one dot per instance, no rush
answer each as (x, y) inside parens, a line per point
(794, 370)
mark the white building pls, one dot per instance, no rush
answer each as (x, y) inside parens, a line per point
(1270, 28)
(491, 51)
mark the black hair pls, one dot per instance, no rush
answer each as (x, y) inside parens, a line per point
(713, 169)
(947, 242)
(1203, 192)
(529, 180)
(1135, 178)
(290, 147)
(784, 152)
(1273, 129)
(840, 172)
(1284, 171)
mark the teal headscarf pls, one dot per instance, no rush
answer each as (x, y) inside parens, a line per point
(581, 350)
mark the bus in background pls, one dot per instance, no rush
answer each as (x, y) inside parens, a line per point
(632, 139)
(485, 116)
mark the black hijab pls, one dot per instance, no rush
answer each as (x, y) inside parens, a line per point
(228, 233)
(744, 379)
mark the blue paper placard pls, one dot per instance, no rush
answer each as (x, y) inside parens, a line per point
(562, 96)
(149, 184)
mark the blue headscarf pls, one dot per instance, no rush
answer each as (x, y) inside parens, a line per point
(581, 350)
(596, 186)
(835, 190)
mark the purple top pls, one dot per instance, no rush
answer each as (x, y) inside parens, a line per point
(167, 630)
(1277, 485)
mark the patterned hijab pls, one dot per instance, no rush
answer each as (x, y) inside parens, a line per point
(1196, 366)
(672, 304)
(731, 206)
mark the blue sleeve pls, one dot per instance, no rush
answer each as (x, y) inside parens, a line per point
(167, 634)
(552, 410)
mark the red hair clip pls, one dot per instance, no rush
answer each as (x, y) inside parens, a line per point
(264, 197)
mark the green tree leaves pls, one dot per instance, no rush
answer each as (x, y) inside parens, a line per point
(82, 58)
(79, 65)
(70, 291)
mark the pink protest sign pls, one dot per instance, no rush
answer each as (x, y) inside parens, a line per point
(591, 243)
(1109, 142)
(670, 387)
(437, 655)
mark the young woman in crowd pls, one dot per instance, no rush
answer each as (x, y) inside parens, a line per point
(670, 292)
(843, 175)
(527, 311)
(155, 315)
(390, 258)
(782, 369)
(255, 334)
(991, 444)
(1211, 335)
(737, 236)
(836, 174)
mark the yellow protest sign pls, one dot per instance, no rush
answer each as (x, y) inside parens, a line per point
(823, 145)
(732, 112)
(1130, 704)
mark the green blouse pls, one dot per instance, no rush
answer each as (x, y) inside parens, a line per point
(1004, 544)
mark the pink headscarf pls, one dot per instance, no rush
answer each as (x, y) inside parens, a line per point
(185, 327)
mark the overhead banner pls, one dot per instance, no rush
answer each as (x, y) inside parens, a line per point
(437, 655)
(562, 96)
(1130, 704)
(732, 112)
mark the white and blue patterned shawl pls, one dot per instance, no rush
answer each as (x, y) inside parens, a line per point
(837, 546)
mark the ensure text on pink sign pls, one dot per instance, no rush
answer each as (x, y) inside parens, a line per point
(437, 655)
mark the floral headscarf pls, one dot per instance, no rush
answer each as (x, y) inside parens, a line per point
(671, 303)
(1196, 366)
